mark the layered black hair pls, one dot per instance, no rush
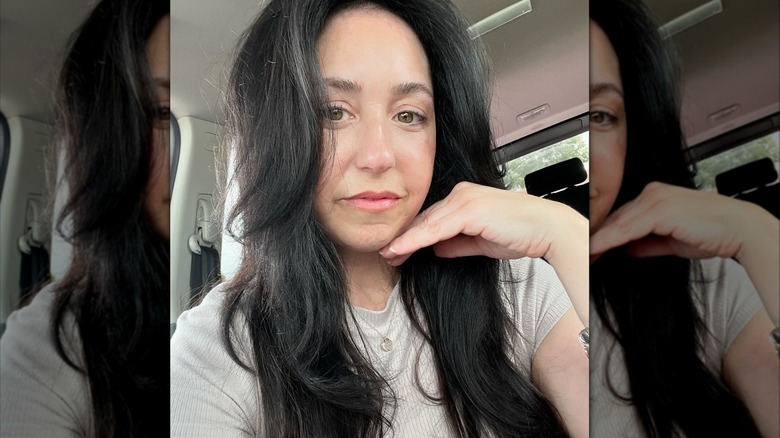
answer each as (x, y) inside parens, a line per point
(116, 288)
(649, 304)
(290, 288)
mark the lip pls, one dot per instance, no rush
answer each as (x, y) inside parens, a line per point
(373, 201)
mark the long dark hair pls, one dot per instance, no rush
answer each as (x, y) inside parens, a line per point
(290, 287)
(648, 304)
(117, 285)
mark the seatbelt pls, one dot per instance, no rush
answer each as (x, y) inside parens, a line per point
(5, 150)
(34, 270)
(204, 265)
(204, 271)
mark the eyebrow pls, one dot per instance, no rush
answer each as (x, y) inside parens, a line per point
(344, 85)
(403, 89)
(410, 88)
(604, 87)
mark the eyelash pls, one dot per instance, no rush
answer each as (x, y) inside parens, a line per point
(417, 118)
(332, 108)
(610, 119)
(420, 118)
(162, 113)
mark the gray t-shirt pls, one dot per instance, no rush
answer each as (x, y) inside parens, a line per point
(40, 395)
(728, 300)
(212, 396)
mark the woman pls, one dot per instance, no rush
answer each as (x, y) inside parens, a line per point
(353, 313)
(680, 340)
(88, 356)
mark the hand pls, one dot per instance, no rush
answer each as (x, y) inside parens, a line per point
(671, 220)
(478, 220)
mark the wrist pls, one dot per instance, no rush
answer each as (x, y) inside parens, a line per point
(760, 233)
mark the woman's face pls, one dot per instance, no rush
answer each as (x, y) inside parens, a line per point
(607, 127)
(383, 129)
(157, 199)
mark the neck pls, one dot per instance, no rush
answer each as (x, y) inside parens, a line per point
(370, 280)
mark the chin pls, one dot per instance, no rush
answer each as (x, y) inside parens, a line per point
(372, 245)
(365, 241)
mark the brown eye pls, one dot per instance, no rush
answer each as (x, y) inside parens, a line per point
(162, 113)
(410, 118)
(335, 114)
(406, 117)
(162, 116)
(602, 118)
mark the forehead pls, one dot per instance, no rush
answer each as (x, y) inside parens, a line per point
(158, 49)
(604, 66)
(367, 39)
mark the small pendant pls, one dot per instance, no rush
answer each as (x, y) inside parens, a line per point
(386, 344)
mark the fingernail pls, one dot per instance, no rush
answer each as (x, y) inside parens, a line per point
(388, 252)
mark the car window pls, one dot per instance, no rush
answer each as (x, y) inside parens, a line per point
(518, 168)
(708, 168)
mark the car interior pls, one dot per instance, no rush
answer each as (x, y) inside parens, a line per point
(540, 76)
(730, 58)
(539, 51)
(32, 37)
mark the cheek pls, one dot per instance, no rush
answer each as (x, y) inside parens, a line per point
(420, 161)
(607, 158)
(159, 172)
(331, 178)
(330, 163)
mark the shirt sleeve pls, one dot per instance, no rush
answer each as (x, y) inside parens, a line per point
(730, 300)
(211, 395)
(540, 302)
(40, 394)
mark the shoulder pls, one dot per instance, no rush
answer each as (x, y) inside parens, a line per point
(537, 301)
(28, 337)
(211, 394)
(532, 278)
(728, 299)
(40, 393)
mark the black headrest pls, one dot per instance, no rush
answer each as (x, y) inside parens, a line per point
(556, 177)
(745, 177)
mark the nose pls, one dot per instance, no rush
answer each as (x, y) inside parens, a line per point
(375, 152)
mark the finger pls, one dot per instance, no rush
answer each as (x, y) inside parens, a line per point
(633, 221)
(459, 246)
(657, 246)
(647, 201)
(389, 251)
(398, 250)
(427, 220)
(424, 234)
(397, 261)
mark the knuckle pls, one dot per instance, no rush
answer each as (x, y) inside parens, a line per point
(461, 187)
(472, 205)
(431, 226)
(655, 189)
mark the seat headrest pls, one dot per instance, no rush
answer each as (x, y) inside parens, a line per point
(748, 176)
(559, 176)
